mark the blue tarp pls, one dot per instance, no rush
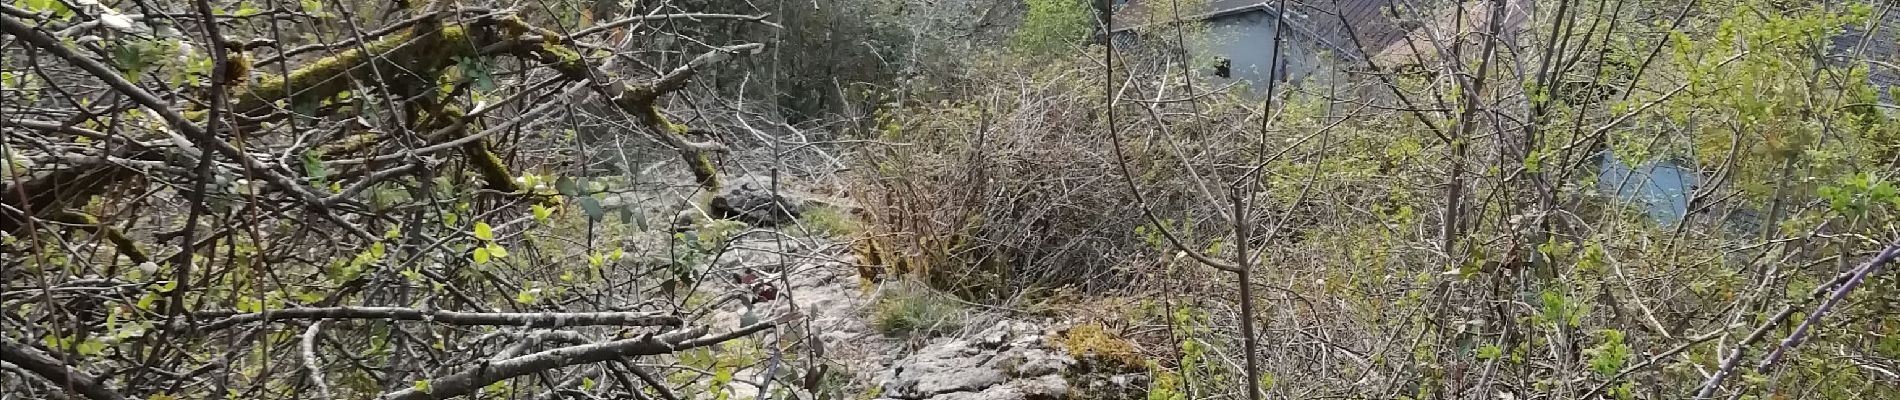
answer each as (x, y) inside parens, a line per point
(1660, 187)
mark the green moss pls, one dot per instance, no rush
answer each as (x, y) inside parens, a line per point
(564, 58)
(1101, 351)
(125, 245)
(702, 166)
(350, 144)
(481, 156)
(312, 77)
(490, 166)
(321, 79)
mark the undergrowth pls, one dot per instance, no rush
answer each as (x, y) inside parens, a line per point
(907, 309)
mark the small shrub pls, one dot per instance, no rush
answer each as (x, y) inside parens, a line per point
(829, 221)
(912, 310)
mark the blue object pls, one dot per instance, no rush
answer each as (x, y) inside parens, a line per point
(1662, 188)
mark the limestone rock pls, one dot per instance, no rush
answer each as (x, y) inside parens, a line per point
(1011, 360)
(750, 199)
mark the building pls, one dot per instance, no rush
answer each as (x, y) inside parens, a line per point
(1245, 30)
(1878, 45)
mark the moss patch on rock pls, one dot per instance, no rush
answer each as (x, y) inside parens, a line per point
(1098, 350)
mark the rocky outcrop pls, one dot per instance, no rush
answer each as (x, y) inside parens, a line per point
(753, 200)
(1011, 360)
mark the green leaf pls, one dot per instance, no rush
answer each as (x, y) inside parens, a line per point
(527, 296)
(58, 8)
(541, 213)
(131, 61)
(92, 346)
(422, 386)
(313, 167)
(499, 388)
(311, 296)
(481, 255)
(566, 187)
(484, 232)
(145, 301)
(1490, 352)
(497, 251)
(479, 71)
(591, 206)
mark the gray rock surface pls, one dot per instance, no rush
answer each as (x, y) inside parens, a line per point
(1006, 360)
(831, 295)
(1011, 360)
(750, 199)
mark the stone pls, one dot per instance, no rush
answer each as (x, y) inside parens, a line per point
(750, 199)
(1010, 360)
(685, 221)
(1033, 362)
(1045, 387)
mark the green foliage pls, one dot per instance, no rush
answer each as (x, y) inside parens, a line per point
(1610, 355)
(830, 221)
(1053, 27)
(1559, 310)
(915, 311)
(56, 7)
(1859, 194)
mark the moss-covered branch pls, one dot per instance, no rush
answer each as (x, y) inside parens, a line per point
(126, 246)
(641, 101)
(409, 56)
(424, 50)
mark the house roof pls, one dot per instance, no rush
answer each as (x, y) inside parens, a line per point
(1139, 13)
(1445, 24)
(1320, 18)
(1878, 43)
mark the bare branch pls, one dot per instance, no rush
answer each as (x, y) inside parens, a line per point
(760, 18)
(537, 320)
(1845, 280)
(48, 366)
(472, 379)
(311, 362)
